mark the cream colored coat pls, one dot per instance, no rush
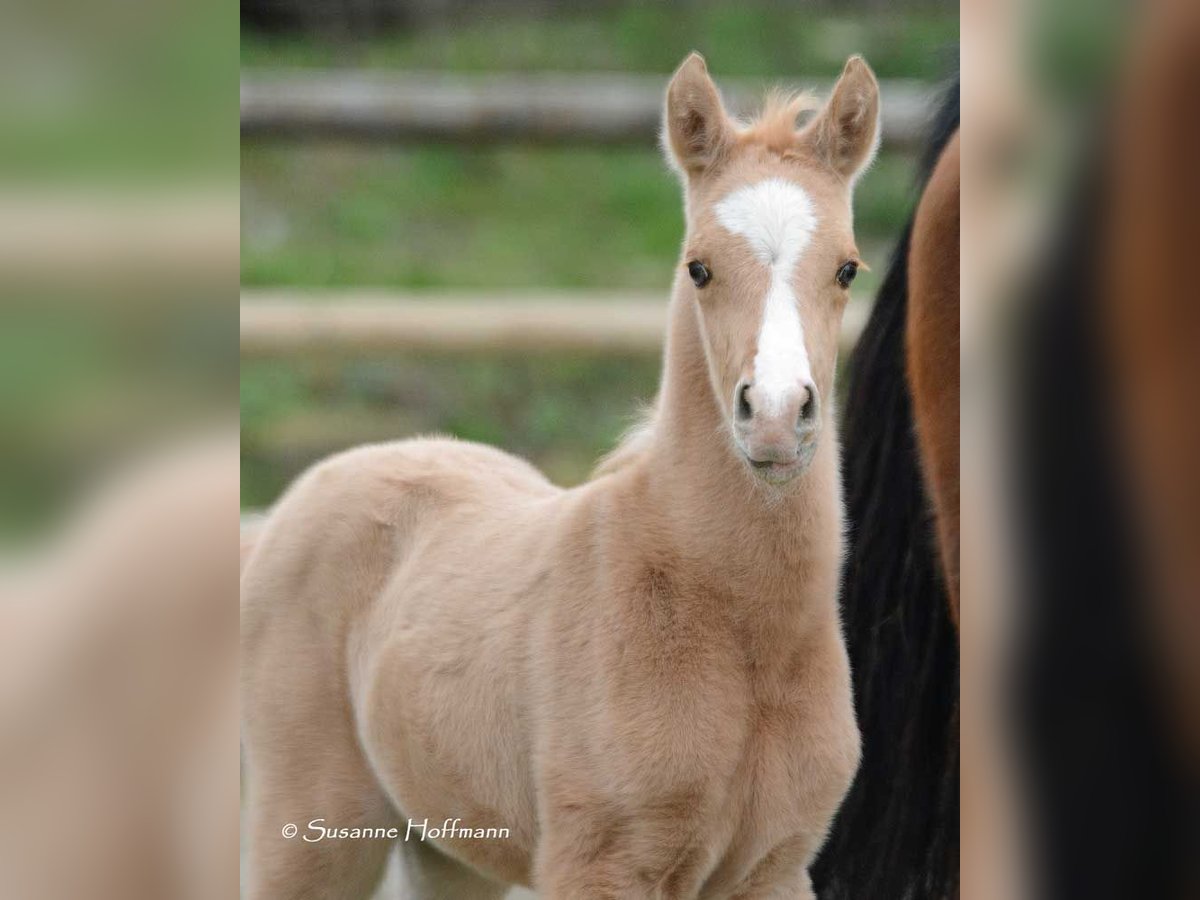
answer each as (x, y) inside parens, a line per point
(643, 677)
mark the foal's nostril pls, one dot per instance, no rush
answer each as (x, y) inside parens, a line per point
(744, 410)
(808, 412)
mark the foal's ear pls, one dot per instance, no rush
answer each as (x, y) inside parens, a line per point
(846, 132)
(696, 130)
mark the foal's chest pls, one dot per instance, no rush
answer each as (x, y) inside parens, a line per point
(797, 775)
(800, 753)
(727, 743)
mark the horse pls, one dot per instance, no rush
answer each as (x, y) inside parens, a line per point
(896, 835)
(637, 686)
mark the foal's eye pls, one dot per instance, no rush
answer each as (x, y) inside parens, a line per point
(699, 273)
(846, 273)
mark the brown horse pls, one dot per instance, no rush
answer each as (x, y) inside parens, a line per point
(932, 351)
(642, 681)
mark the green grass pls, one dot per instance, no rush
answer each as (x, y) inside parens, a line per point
(766, 39)
(561, 412)
(438, 217)
(441, 217)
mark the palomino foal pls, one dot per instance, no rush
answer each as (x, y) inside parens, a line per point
(642, 679)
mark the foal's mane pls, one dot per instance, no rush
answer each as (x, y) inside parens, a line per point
(775, 125)
(896, 835)
(629, 448)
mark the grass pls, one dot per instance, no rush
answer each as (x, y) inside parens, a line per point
(559, 411)
(441, 217)
(498, 218)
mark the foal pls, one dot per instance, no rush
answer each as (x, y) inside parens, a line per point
(643, 678)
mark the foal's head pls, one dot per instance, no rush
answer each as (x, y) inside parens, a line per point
(770, 252)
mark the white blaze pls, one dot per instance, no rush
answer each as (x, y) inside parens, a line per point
(776, 218)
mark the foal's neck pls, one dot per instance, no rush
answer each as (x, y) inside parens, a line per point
(716, 506)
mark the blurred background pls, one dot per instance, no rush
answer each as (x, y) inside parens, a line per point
(456, 218)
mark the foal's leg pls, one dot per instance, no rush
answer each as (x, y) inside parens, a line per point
(303, 762)
(319, 563)
(781, 875)
(596, 854)
(428, 874)
(296, 792)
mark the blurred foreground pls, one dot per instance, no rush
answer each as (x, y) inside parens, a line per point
(1081, 572)
(118, 452)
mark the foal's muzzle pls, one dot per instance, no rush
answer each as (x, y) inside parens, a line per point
(777, 432)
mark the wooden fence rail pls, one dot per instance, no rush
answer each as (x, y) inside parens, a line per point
(487, 108)
(279, 323)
